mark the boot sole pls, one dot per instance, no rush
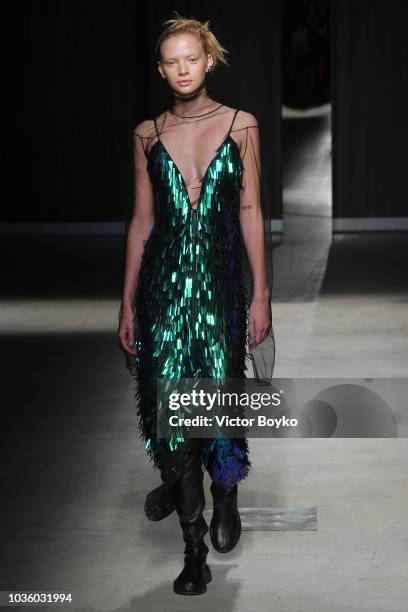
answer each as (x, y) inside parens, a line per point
(180, 592)
(157, 513)
(207, 578)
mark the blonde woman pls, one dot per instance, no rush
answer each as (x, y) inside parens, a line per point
(185, 311)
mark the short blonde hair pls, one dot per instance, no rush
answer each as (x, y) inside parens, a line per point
(180, 25)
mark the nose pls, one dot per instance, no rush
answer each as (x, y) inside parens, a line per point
(183, 69)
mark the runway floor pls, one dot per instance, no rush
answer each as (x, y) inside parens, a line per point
(76, 474)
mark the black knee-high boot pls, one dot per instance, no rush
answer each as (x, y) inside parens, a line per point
(190, 503)
(225, 526)
(160, 502)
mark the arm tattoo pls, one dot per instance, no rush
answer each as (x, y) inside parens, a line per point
(246, 206)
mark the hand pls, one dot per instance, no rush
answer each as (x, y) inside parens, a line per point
(260, 320)
(126, 330)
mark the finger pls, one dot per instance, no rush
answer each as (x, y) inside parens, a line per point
(125, 345)
(251, 331)
(257, 332)
(129, 349)
(131, 342)
(130, 339)
(262, 335)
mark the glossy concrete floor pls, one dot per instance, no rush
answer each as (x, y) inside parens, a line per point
(76, 474)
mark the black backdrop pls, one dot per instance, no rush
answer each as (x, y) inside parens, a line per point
(370, 102)
(77, 78)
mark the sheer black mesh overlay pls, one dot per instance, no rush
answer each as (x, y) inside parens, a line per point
(192, 142)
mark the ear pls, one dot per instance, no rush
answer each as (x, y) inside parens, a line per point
(160, 69)
(210, 61)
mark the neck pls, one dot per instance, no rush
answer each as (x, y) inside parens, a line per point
(192, 102)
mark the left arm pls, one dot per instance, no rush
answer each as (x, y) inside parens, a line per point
(252, 226)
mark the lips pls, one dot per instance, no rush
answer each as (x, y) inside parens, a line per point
(183, 82)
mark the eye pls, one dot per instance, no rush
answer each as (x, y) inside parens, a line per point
(193, 59)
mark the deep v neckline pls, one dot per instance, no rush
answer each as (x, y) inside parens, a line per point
(182, 180)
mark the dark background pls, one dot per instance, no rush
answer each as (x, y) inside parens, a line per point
(78, 76)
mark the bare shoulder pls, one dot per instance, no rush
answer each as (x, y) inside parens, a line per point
(245, 119)
(145, 129)
(240, 131)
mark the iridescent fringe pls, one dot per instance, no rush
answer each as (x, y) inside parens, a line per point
(221, 248)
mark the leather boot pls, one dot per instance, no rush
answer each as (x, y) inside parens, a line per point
(160, 501)
(190, 503)
(225, 526)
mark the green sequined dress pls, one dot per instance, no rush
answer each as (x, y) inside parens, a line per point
(191, 298)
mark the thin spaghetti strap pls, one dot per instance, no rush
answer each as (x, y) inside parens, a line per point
(229, 131)
(232, 122)
(162, 125)
(155, 125)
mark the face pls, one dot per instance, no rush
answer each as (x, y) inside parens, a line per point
(183, 59)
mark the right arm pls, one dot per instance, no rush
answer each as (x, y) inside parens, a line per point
(140, 228)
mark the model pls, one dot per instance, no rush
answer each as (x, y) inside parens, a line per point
(185, 310)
